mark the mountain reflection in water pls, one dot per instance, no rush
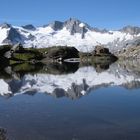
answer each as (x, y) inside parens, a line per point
(72, 80)
(111, 111)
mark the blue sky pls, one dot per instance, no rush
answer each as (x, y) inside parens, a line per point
(111, 14)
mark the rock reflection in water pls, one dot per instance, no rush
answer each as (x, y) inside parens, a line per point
(15, 75)
(3, 134)
(22, 69)
(72, 80)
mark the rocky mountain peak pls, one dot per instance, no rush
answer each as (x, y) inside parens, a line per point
(133, 30)
(5, 25)
(75, 22)
(29, 27)
(13, 37)
(72, 21)
(56, 25)
(76, 26)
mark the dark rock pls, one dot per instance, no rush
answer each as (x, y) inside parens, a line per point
(3, 60)
(100, 50)
(77, 91)
(16, 47)
(73, 92)
(13, 37)
(100, 30)
(132, 85)
(103, 55)
(61, 53)
(31, 37)
(58, 93)
(3, 134)
(4, 49)
(73, 25)
(29, 27)
(5, 25)
(101, 67)
(133, 30)
(56, 25)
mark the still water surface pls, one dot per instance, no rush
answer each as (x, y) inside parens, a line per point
(89, 103)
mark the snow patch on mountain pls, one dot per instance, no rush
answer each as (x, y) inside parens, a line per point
(3, 34)
(47, 37)
(81, 25)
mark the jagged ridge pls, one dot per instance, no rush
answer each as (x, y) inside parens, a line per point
(72, 32)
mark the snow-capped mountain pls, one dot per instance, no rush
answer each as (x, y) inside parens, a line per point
(9, 34)
(73, 85)
(70, 33)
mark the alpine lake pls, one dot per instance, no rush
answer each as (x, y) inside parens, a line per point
(70, 101)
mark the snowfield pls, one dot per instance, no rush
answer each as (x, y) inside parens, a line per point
(47, 37)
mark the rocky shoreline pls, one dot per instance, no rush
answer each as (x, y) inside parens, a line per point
(132, 52)
(14, 55)
(17, 54)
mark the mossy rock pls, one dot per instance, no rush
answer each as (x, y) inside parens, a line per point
(27, 55)
(4, 49)
(62, 52)
(24, 56)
